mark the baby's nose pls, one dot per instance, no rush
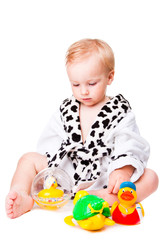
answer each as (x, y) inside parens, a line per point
(84, 91)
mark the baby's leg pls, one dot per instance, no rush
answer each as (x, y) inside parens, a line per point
(145, 186)
(19, 201)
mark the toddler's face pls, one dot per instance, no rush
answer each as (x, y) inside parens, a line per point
(89, 79)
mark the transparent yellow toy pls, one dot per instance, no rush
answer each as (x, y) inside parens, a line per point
(90, 212)
(51, 188)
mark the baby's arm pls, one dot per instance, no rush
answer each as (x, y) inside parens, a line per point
(130, 154)
(52, 136)
(118, 176)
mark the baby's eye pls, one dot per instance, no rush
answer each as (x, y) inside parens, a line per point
(92, 84)
(75, 85)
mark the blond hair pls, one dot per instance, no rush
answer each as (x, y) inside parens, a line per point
(85, 47)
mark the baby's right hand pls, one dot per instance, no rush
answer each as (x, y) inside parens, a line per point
(118, 176)
(114, 183)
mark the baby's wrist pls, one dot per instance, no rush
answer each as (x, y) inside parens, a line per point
(129, 169)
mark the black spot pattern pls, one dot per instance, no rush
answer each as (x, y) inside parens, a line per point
(92, 133)
(76, 137)
(91, 145)
(102, 114)
(105, 122)
(107, 109)
(69, 118)
(95, 125)
(85, 156)
(74, 108)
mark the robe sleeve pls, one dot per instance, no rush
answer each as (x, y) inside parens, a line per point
(52, 137)
(129, 148)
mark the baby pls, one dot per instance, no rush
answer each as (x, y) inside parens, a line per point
(93, 137)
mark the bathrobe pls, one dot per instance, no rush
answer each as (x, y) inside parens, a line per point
(113, 142)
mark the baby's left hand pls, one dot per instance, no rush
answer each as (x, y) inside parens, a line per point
(118, 176)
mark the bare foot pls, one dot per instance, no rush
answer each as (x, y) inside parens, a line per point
(18, 203)
(103, 193)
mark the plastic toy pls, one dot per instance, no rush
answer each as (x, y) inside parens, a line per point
(127, 212)
(51, 188)
(90, 212)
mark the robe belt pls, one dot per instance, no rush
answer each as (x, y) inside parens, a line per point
(83, 153)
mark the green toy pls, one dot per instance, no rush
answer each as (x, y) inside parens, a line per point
(89, 206)
(90, 212)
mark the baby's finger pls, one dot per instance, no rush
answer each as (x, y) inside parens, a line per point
(110, 188)
(116, 188)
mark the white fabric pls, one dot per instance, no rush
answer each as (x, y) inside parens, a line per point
(123, 139)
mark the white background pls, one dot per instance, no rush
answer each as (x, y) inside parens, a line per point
(34, 37)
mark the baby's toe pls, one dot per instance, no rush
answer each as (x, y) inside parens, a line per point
(13, 195)
(10, 215)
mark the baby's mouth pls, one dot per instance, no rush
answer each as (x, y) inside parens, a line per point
(86, 99)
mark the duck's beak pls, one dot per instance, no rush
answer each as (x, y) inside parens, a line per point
(54, 185)
(127, 196)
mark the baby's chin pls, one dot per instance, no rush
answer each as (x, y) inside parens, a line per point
(88, 104)
(87, 101)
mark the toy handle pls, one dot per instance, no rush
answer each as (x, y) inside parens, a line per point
(68, 220)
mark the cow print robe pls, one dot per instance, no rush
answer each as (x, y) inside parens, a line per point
(94, 160)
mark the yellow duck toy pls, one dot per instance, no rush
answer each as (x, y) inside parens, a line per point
(51, 190)
(90, 212)
(49, 197)
(127, 212)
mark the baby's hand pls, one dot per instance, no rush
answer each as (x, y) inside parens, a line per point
(118, 176)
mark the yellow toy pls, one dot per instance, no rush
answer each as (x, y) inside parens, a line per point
(51, 192)
(51, 188)
(50, 197)
(127, 212)
(90, 212)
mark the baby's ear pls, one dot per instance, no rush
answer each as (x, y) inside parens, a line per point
(110, 77)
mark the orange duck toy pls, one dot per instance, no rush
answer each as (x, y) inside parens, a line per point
(127, 212)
